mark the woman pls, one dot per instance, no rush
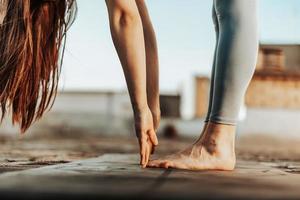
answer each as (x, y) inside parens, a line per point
(234, 63)
(135, 42)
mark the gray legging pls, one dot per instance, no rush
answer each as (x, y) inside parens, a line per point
(234, 59)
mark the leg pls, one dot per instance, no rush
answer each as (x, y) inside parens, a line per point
(127, 33)
(236, 57)
(234, 65)
(213, 72)
(152, 65)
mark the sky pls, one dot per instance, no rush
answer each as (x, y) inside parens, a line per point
(185, 37)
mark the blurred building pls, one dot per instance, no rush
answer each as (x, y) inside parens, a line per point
(202, 96)
(83, 112)
(276, 82)
(170, 105)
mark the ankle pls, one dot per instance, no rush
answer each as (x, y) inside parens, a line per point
(219, 127)
(219, 138)
(219, 131)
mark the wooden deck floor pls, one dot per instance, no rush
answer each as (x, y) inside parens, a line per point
(107, 168)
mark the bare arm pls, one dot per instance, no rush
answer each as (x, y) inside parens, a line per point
(127, 33)
(152, 64)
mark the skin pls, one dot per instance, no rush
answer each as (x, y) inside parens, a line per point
(214, 150)
(132, 31)
(3, 10)
(152, 64)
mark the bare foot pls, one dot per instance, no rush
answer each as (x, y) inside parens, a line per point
(214, 150)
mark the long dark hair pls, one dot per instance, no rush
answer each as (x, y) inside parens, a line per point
(32, 38)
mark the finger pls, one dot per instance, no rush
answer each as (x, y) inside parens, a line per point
(153, 137)
(143, 144)
(151, 147)
(141, 156)
(141, 152)
(144, 151)
(147, 155)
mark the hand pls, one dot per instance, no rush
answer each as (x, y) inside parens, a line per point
(145, 133)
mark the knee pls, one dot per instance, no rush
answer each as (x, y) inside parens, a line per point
(129, 18)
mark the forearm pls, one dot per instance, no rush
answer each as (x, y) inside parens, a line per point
(152, 64)
(152, 69)
(127, 34)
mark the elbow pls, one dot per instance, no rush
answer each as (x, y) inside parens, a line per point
(129, 19)
(125, 18)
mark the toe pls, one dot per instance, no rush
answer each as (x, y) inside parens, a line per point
(159, 163)
(165, 164)
(153, 163)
